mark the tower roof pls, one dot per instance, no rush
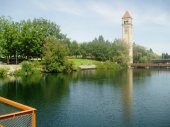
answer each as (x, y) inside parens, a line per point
(126, 15)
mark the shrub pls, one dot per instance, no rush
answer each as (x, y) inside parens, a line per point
(54, 53)
(3, 72)
(27, 68)
(69, 66)
(109, 65)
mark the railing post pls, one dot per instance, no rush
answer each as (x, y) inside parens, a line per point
(24, 110)
(34, 118)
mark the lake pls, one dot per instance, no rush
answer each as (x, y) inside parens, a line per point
(95, 98)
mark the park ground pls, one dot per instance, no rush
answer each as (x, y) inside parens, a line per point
(76, 63)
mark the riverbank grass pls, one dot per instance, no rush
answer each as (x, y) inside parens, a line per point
(29, 68)
(99, 64)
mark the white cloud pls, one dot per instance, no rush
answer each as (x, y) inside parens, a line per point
(151, 17)
(102, 10)
(68, 7)
(106, 12)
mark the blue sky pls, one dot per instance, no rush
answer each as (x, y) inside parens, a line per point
(83, 20)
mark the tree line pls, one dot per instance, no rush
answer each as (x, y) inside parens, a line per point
(30, 39)
(165, 56)
(116, 51)
(101, 50)
(143, 55)
(25, 39)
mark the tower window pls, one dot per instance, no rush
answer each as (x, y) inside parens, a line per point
(126, 22)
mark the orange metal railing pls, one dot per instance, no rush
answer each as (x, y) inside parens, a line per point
(24, 118)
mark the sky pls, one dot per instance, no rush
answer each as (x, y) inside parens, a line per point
(83, 20)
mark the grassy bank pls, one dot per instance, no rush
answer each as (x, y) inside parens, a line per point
(99, 64)
(29, 68)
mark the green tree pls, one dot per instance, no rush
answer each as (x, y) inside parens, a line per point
(99, 49)
(165, 56)
(84, 50)
(54, 53)
(103, 50)
(74, 49)
(9, 38)
(120, 52)
(142, 55)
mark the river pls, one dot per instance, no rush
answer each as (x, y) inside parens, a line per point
(95, 98)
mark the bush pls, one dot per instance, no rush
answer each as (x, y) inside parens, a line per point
(27, 68)
(69, 66)
(54, 53)
(3, 72)
(109, 65)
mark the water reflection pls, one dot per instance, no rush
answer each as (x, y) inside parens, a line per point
(35, 88)
(45, 91)
(127, 95)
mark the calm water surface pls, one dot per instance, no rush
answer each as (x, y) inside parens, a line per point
(96, 98)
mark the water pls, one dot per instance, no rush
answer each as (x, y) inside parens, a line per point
(6, 109)
(133, 98)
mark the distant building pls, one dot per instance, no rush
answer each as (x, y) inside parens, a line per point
(127, 33)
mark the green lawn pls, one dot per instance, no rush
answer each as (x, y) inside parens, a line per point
(78, 62)
(99, 64)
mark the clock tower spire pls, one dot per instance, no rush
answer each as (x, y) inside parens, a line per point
(127, 33)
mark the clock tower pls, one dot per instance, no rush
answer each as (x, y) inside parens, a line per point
(127, 33)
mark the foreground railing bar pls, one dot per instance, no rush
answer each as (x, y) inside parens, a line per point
(13, 115)
(26, 110)
(15, 104)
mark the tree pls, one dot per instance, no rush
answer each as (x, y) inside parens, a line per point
(34, 33)
(103, 50)
(26, 38)
(120, 52)
(142, 55)
(54, 53)
(100, 48)
(74, 49)
(97, 49)
(84, 50)
(9, 38)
